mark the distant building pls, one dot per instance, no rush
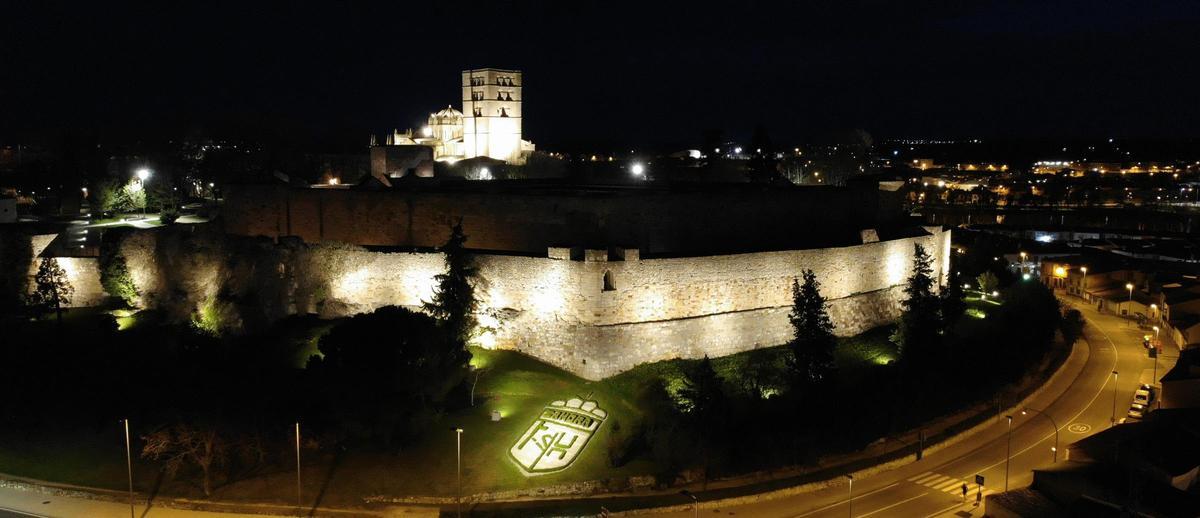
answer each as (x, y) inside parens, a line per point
(489, 124)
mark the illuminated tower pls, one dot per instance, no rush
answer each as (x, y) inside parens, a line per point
(492, 115)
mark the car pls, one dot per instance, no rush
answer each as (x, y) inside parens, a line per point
(1142, 397)
(1137, 411)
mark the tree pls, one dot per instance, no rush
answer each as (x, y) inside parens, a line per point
(917, 336)
(1071, 326)
(114, 271)
(987, 282)
(811, 361)
(184, 444)
(706, 408)
(52, 290)
(953, 305)
(385, 375)
(454, 302)
(16, 252)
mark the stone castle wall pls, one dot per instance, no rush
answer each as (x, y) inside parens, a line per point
(553, 308)
(83, 273)
(557, 309)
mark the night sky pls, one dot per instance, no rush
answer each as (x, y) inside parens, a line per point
(604, 73)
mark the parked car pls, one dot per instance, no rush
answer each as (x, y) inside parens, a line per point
(1137, 411)
(1143, 396)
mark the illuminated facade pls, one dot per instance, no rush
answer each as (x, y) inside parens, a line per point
(489, 124)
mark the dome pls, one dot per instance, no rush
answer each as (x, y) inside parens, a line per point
(448, 115)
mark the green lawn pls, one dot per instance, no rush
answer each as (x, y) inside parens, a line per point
(516, 385)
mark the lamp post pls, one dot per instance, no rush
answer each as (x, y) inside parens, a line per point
(1052, 423)
(299, 504)
(458, 449)
(1023, 255)
(1129, 286)
(143, 174)
(850, 495)
(1008, 455)
(695, 502)
(1113, 420)
(129, 466)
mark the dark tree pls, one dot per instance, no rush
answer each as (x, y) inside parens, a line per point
(706, 408)
(1071, 326)
(52, 290)
(918, 334)
(16, 252)
(953, 305)
(763, 166)
(114, 271)
(454, 302)
(385, 375)
(811, 360)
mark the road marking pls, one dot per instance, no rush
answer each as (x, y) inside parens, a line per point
(843, 502)
(905, 501)
(22, 513)
(924, 477)
(951, 508)
(1079, 428)
(1107, 378)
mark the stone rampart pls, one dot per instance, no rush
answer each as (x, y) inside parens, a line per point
(595, 317)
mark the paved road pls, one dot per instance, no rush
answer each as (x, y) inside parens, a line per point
(933, 486)
(15, 503)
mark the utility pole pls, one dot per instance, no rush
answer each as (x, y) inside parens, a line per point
(299, 504)
(129, 467)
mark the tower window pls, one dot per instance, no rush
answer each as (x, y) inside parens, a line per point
(608, 281)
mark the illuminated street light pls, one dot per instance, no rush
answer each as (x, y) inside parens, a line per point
(850, 498)
(143, 174)
(695, 502)
(638, 169)
(1052, 423)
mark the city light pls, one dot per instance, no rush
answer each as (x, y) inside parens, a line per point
(638, 169)
(143, 174)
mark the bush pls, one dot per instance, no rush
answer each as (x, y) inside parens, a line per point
(168, 215)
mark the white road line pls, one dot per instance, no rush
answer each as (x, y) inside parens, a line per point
(948, 484)
(939, 480)
(856, 497)
(905, 501)
(946, 510)
(22, 513)
(1116, 358)
(920, 479)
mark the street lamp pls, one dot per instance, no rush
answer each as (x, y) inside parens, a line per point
(143, 174)
(129, 467)
(1008, 455)
(638, 170)
(1052, 423)
(458, 448)
(299, 504)
(1114, 409)
(1023, 255)
(1084, 270)
(850, 495)
(695, 502)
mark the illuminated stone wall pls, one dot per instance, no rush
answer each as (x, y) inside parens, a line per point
(558, 311)
(83, 273)
(555, 309)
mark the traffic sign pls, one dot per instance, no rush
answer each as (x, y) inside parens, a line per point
(979, 480)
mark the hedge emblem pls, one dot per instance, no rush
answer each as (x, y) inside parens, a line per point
(557, 436)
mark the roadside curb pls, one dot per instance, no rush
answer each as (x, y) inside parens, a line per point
(121, 497)
(1073, 363)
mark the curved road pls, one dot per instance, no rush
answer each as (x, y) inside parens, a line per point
(933, 486)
